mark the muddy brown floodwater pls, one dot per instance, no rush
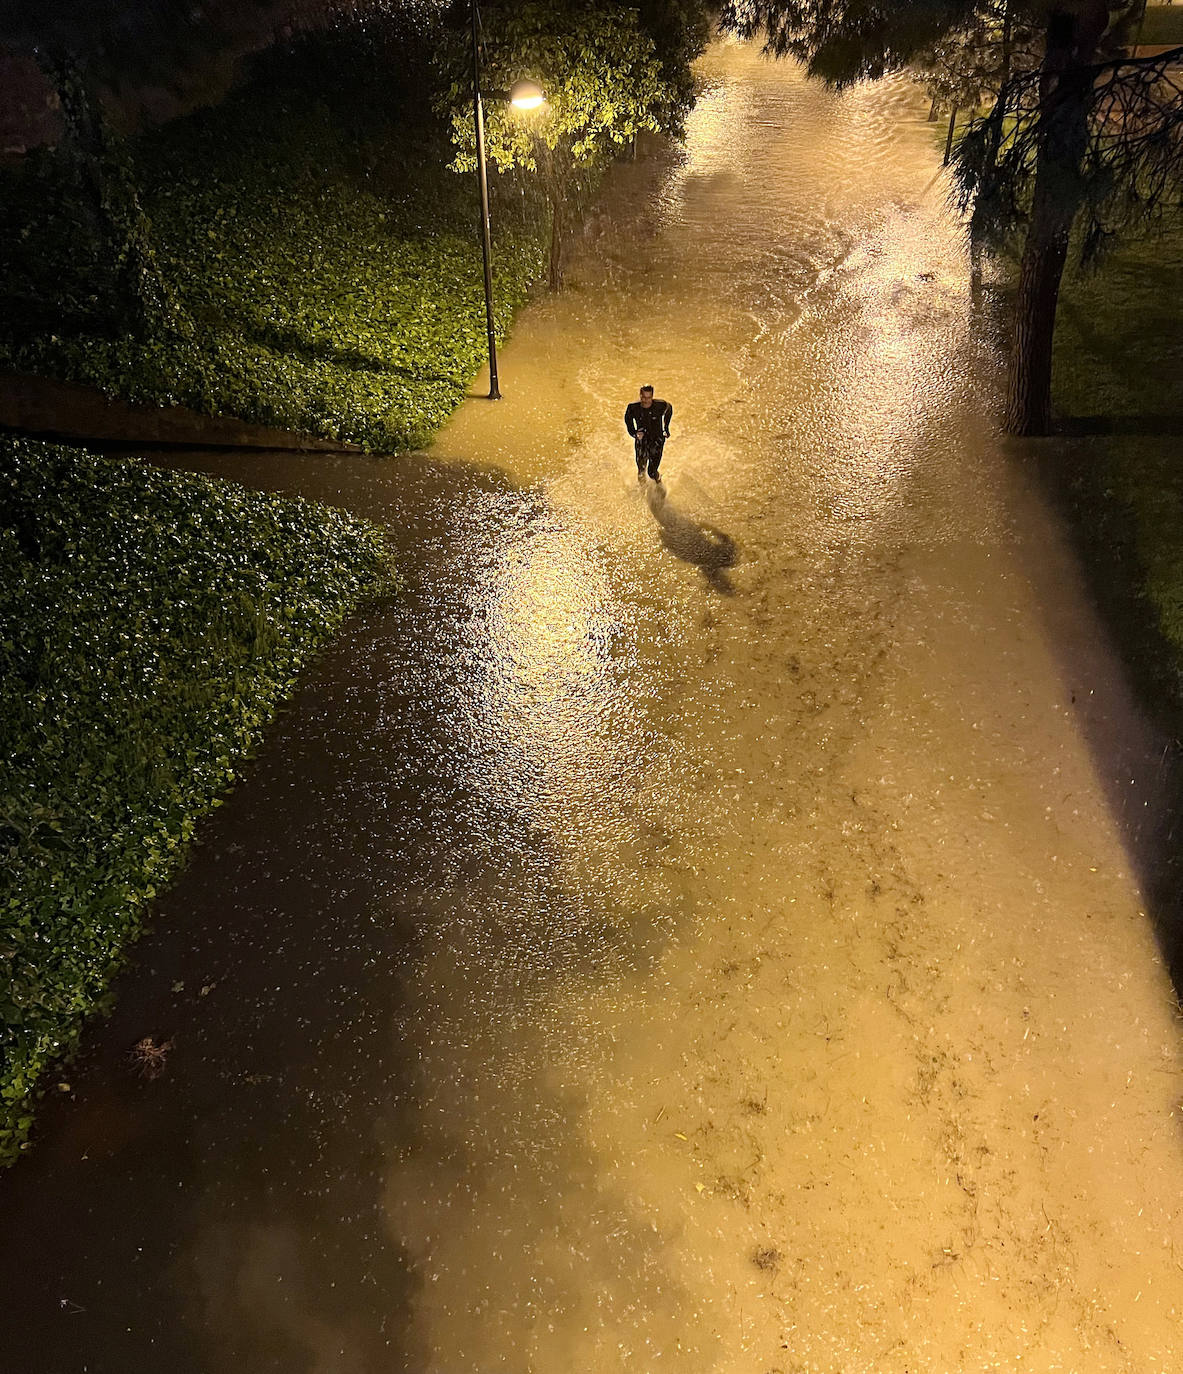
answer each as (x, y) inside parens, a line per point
(690, 930)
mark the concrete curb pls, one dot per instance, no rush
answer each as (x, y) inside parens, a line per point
(48, 409)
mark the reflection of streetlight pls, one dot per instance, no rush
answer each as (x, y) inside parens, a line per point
(523, 95)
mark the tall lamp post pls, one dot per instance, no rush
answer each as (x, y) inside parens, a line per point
(523, 95)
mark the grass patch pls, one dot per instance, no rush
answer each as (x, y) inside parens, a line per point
(1120, 485)
(1162, 24)
(1119, 341)
(1119, 364)
(150, 625)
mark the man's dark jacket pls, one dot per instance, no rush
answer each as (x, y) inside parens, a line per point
(653, 422)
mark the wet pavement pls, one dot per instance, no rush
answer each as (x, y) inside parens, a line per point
(690, 929)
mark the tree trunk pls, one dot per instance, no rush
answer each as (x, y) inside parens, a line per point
(998, 118)
(108, 183)
(1007, 45)
(556, 242)
(1073, 31)
(1029, 399)
(949, 137)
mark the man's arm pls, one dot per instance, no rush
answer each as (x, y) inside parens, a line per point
(630, 422)
(669, 415)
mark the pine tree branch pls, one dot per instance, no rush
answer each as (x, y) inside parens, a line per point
(1127, 174)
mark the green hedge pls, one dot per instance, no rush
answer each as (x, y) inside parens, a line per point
(150, 625)
(324, 284)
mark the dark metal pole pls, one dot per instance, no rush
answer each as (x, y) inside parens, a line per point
(949, 140)
(478, 119)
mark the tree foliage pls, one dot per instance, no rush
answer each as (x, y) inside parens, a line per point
(1127, 174)
(605, 81)
(968, 66)
(844, 41)
(680, 30)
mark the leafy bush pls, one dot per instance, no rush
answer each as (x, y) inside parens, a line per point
(321, 283)
(150, 625)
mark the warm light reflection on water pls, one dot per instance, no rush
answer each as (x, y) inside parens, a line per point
(552, 639)
(550, 626)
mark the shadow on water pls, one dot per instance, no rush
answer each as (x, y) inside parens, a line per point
(1132, 714)
(235, 1213)
(693, 541)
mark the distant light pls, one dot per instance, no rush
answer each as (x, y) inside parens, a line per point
(526, 95)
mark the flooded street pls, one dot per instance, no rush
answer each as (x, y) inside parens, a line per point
(689, 930)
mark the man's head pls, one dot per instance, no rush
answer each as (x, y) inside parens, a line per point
(646, 396)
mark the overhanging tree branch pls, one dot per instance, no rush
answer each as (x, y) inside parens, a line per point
(1130, 167)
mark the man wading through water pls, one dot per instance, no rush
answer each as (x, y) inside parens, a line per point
(648, 421)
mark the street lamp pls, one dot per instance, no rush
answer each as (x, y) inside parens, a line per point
(526, 95)
(522, 95)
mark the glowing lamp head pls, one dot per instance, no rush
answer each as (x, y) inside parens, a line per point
(526, 95)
